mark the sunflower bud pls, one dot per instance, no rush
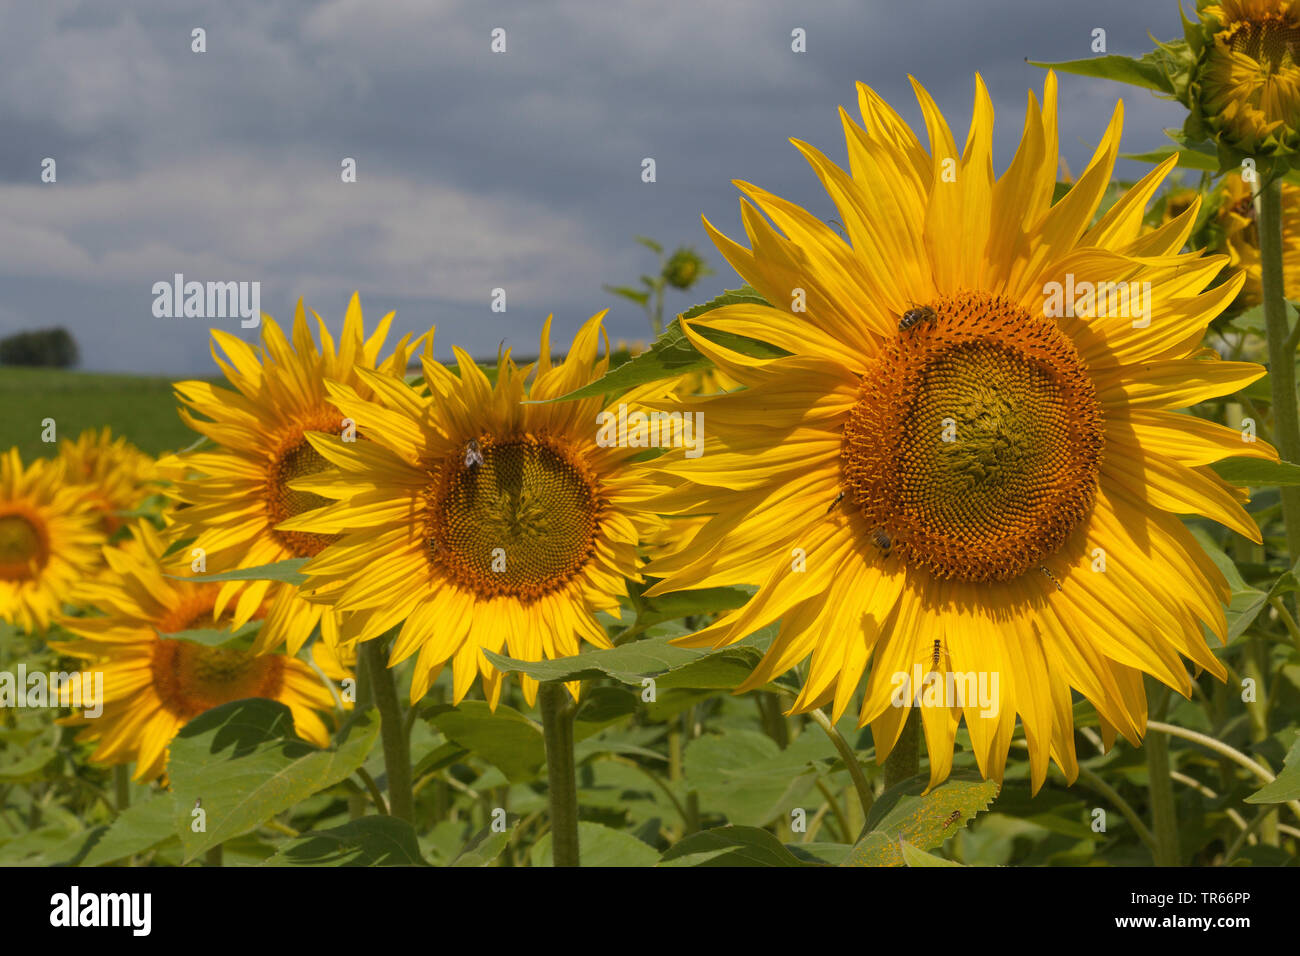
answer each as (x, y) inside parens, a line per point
(1244, 93)
(684, 268)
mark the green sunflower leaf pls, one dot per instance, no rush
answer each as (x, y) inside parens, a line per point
(484, 847)
(242, 764)
(1286, 786)
(214, 637)
(600, 845)
(1153, 71)
(29, 767)
(634, 663)
(141, 826)
(370, 841)
(748, 778)
(1258, 472)
(672, 353)
(914, 857)
(1188, 158)
(506, 739)
(902, 814)
(730, 846)
(286, 571)
(639, 296)
(680, 604)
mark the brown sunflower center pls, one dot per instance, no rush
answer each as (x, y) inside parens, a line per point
(974, 448)
(299, 460)
(190, 678)
(23, 548)
(522, 522)
(1271, 41)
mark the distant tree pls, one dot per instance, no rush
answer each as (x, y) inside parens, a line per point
(52, 348)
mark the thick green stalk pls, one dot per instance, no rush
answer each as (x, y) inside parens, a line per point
(1160, 785)
(1164, 825)
(362, 702)
(904, 761)
(561, 772)
(121, 787)
(397, 749)
(1281, 350)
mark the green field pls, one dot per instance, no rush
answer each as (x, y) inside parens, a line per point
(140, 407)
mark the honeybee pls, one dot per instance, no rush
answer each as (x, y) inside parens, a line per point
(911, 317)
(952, 818)
(882, 541)
(1051, 577)
(473, 454)
(936, 653)
(838, 499)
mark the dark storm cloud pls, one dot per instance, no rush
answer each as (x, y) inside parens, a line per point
(475, 170)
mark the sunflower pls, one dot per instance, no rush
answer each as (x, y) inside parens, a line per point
(236, 507)
(117, 476)
(1235, 220)
(49, 539)
(474, 521)
(1246, 88)
(953, 468)
(154, 685)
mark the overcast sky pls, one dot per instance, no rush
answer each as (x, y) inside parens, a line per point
(475, 170)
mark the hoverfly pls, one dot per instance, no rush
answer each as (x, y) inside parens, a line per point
(473, 454)
(1051, 577)
(912, 316)
(838, 499)
(936, 653)
(952, 818)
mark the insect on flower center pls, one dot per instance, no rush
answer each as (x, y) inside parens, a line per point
(298, 460)
(190, 678)
(23, 548)
(975, 444)
(521, 521)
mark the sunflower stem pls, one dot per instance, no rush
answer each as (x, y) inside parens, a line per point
(904, 761)
(1281, 350)
(121, 787)
(561, 772)
(362, 702)
(397, 751)
(1164, 825)
(850, 759)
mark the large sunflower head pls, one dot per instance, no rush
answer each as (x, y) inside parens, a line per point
(967, 470)
(50, 535)
(117, 476)
(475, 521)
(239, 494)
(1245, 92)
(153, 684)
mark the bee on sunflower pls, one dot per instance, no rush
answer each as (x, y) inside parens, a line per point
(237, 496)
(1001, 475)
(478, 517)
